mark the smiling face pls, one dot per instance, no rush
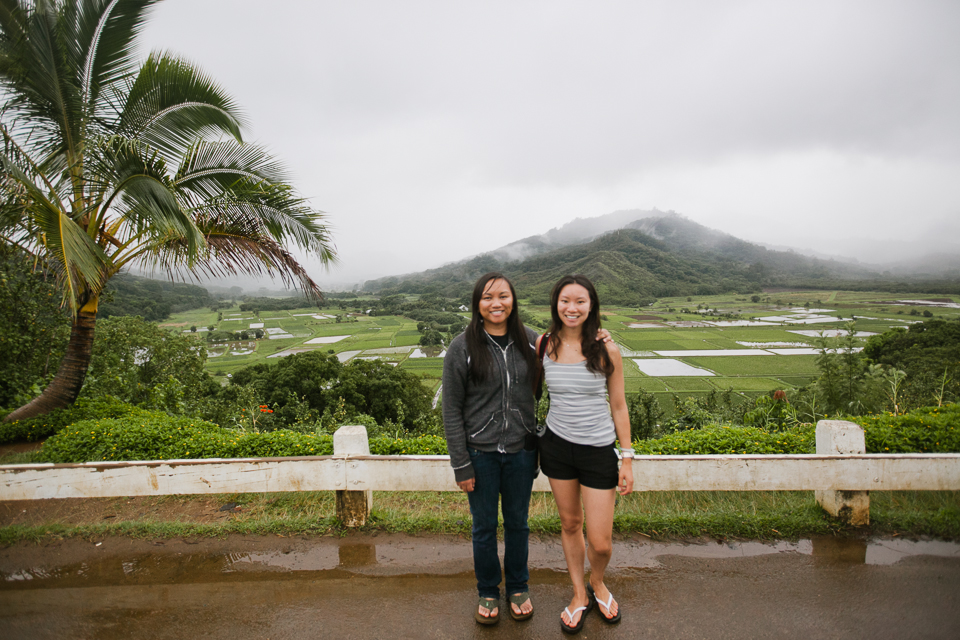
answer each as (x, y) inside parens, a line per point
(573, 305)
(496, 304)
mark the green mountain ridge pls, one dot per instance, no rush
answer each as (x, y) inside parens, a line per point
(653, 257)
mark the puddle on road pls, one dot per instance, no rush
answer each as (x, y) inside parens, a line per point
(322, 558)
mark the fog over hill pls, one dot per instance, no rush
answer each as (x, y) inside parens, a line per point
(636, 256)
(681, 233)
(777, 264)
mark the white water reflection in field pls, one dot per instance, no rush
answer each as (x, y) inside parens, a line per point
(431, 352)
(325, 340)
(738, 323)
(830, 333)
(343, 356)
(289, 352)
(691, 353)
(242, 348)
(388, 350)
(661, 368)
(682, 324)
(767, 345)
(925, 303)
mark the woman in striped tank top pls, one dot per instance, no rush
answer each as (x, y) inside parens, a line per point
(577, 451)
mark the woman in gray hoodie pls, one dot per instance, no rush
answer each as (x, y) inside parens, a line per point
(489, 415)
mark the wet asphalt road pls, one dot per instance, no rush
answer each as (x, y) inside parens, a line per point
(422, 587)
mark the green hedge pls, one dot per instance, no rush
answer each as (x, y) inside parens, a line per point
(161, 437)
(42, 427)
(727, 439)
(139, 434)
(926, 430)
(151, 435)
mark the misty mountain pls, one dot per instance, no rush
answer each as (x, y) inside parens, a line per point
(653, 255)
(577, 231)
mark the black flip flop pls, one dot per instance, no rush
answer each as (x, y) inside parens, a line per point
(615, 619)
(583, 616)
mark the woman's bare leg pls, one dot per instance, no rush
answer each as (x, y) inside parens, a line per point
(598, 506)
(566, 493)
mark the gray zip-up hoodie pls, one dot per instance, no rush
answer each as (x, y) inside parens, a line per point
(495, 415)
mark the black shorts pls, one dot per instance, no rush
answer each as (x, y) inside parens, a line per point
(594, 467)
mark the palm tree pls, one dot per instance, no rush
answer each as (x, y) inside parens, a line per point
(109, 164)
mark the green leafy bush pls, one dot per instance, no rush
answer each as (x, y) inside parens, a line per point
(157, 436)
(138, 434)
(925, 430)
(47, 425)
(729, 439)
(152, 435)
(419, 446)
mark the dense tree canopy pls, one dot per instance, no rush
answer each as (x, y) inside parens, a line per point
(33, 328)
(367, 387)
(928, 352)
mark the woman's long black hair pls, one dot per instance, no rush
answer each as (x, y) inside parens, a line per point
(478, 344)
(598, 360)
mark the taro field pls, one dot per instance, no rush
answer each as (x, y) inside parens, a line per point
(751, 345)
(682, 346)
(391, 339)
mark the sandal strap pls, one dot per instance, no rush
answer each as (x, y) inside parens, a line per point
(519, 598)
(605, 605)
(489, 603)
(575, 611)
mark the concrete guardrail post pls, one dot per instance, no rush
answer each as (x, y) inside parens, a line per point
(838, 437)
(353, 507)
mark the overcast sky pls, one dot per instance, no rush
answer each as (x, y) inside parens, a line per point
(432, 131)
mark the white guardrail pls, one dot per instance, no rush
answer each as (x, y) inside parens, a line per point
(839, 472)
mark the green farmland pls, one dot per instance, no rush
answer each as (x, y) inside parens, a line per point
(699, 335)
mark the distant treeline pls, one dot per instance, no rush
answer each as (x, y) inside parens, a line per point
(932, 286)
(153, 300)
(277, 304)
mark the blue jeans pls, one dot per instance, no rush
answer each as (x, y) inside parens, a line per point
(508, 476)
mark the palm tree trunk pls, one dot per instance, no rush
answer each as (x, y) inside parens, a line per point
(65, 386)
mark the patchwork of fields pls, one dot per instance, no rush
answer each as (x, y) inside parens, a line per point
(733, 343)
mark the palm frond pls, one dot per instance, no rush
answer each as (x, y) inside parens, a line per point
(105, 30)
(36, 222)
(39, 75)
(170, 104)
(231, 254)
(269, 209)
(210, 168)
(137, 188)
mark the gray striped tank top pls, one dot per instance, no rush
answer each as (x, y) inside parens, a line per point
(579, 410)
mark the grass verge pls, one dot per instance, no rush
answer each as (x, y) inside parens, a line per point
(667, 515)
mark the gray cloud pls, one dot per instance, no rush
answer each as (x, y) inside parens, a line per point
(463, 127)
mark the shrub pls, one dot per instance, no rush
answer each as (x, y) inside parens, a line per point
(730, 439)
(138, 434)
(47, 425)
(419, 446)
(152, 435)
(925, 430)
(157, 436)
